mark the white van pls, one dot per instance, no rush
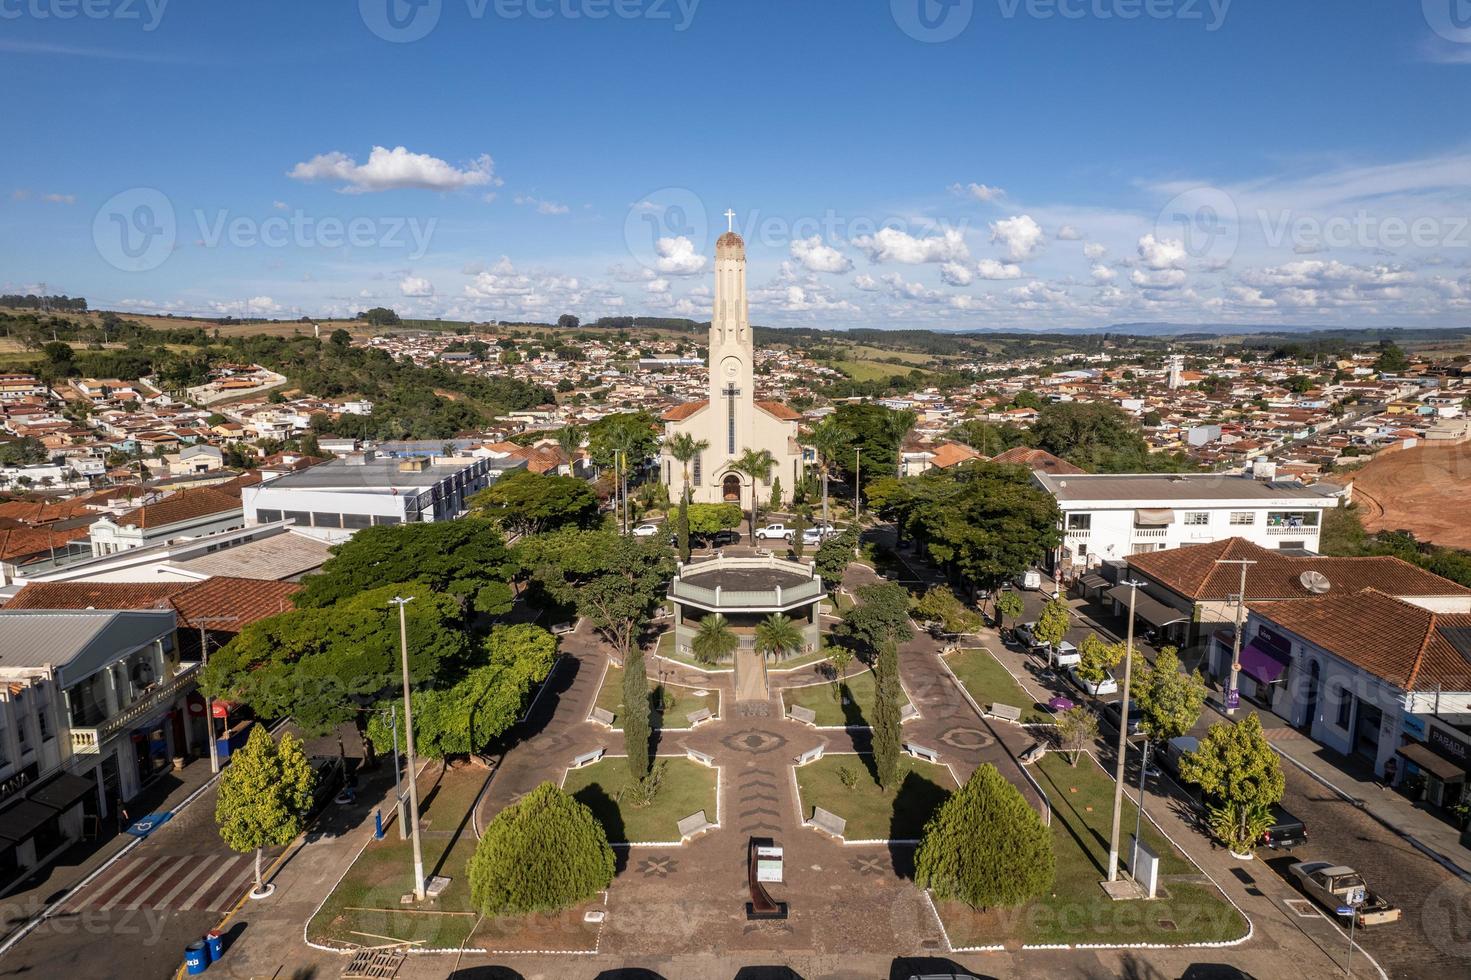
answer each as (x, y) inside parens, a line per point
(1031, 580)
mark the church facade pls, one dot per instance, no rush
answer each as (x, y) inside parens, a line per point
(731, 420)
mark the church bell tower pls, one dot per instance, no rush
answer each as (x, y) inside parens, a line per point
(732, 350)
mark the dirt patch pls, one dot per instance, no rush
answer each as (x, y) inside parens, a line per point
(1423, 490)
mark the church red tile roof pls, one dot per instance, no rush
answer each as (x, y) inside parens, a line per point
(1408, 646)
(779, 411)
(1193, 573)
(952, 453)
(680, 412)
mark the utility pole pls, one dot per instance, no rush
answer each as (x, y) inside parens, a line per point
(403, 645)
(857, 484)
(1118, 785)
(1232, 697)
(209, 702)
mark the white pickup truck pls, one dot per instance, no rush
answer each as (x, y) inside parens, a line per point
(773, 532)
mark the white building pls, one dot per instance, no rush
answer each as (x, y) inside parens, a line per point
(731, 420)
(1108, 517)
(362, 490)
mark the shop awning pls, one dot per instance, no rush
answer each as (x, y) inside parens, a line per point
(1262, 664)
(1150, 516)
(1093, 580)
(63, 791)
(1432, 762)
(1147, 607)
(21, 821)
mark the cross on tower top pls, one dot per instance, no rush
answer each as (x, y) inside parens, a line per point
(730, 220)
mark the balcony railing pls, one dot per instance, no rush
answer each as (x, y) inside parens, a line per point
(89, 741)
(1283, 530)
(1150, 532)
(1079, 532)
(745, 598)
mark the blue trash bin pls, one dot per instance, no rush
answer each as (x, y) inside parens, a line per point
(214, 941)
(196, 958)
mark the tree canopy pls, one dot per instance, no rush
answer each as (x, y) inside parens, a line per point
(985, 846)
(881, 617)
(1099, 437)
(1170, 700)
(532, 503)
(265, 794)
(876, 430)
(543, 853)
(466, 558)
(1241, 776)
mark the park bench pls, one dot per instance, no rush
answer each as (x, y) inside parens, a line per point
(695, 755)
(696, 718)
(1032, 753)
(1004, 712)
(562, 629)
(908, 713)
(603, 717)
(693, 825)
(588, 758)
(828, 823)
(811, 755)
(920, 752)
(805, 715)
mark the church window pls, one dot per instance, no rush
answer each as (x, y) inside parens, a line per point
(699, 459)
(730, 431)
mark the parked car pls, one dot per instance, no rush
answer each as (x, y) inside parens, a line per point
(1286, 831)
(646, 530)
(813, 535)
(1031, 580)
(1112, 711)
(1063, 655)
(1096, 688)
(720, 539)
(1026, 634)
(1334, 886)
(773, 532)
(1175, 748)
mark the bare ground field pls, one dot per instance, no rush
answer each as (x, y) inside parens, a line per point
(1425, 490)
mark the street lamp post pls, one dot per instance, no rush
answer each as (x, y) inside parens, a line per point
(209, 702)
(1232, 697)
(857, 483)
(403, 644)
(398, 780)
(1118, 786)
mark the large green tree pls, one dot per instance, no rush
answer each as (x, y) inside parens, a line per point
(777, 636)
(464, 717)
(827, 439)
(637, 726)
(708, 519)
(685, 449)
(1054, 623)
(834, 556)
(985, 846)
(1100, 437)
(876, 432)
(757, 465)
(1096, 657)
(714, 640)
(1241, 776)
(465, 558)
(541, 854)
(1170, 700)
(533, 503)
(881, 620)
(264, 796)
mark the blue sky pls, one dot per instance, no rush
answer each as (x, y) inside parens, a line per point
(966, 163)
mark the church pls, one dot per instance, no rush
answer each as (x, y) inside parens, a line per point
(731, 420)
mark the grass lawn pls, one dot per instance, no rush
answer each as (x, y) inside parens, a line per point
(871, 813)
(1078, 911)
(666, 648)
(686, 788)
(858, 689)
(669, 700)
(988, 682)
(384, 871)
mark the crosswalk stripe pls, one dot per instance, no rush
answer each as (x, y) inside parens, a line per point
(162, 879)
(133, 880)
(226, 895)
(199, 893)
(204, 862)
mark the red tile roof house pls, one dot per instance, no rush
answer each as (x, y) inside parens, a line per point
(1370, 676)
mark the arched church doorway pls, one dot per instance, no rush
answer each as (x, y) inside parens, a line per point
(731, 489)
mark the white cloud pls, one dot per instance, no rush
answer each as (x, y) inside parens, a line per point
(1160, 255)
(817, 257)
(1102, 273)
(677, 257)
(59, 198)
(395, 169)
(1067, 233)
(991, 269)
(280, 205)
(1158, 278)
(1095, 250)
(1021, 235)
(893, 245)
(657, 285)
(416, 286)
(956, 274)
(865, 282)
(542, 206)
(979, 192)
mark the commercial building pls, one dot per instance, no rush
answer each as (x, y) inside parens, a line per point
(335, 499)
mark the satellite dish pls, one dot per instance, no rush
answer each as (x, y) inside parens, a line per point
(1315, 582)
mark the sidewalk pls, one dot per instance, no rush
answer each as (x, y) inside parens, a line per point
(1355, 782)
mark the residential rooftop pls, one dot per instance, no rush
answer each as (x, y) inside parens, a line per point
(1139, 487)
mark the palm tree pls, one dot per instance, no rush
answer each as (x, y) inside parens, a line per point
(778, 635)
(684, 448)
(569, 440)
(827, 439)
(714, 640)
(756, 465)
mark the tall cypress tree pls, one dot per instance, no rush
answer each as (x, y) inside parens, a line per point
(636, 713)
(886, 721)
